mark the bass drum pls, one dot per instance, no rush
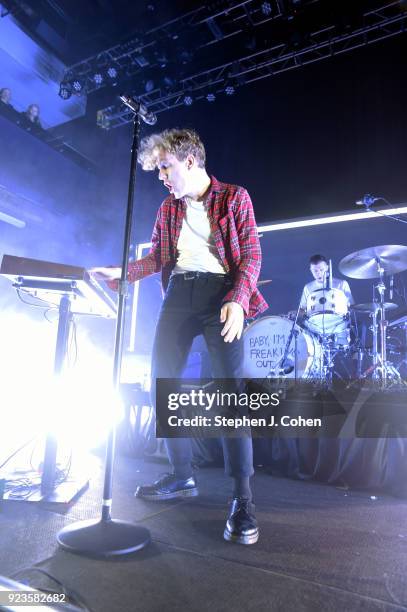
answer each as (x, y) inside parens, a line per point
(327, 315)
(264, 345)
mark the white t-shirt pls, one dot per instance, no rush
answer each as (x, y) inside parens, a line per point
(337, 283)
(196, 247)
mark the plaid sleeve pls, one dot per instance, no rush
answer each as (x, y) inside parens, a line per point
(246, 242)
(150, 263)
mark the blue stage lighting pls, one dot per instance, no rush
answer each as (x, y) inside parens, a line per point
(77, 86)
(112, 72)
(98, 78)
(266, 8)
(65, 91)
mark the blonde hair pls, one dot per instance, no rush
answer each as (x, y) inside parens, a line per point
(178, 142)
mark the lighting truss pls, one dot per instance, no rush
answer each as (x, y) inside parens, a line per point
(383, 22)
(131, 57)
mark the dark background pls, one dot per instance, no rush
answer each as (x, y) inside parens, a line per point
(305, 142)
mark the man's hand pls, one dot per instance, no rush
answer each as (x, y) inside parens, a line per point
(105, 274)
(232, 315)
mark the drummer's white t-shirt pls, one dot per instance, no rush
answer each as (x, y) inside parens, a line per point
(196, 247)
(337, 283)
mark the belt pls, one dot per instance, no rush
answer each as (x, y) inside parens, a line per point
(194, 275)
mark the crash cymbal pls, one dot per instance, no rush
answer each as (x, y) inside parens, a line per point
(372, 306)
(263, 282)
(364, 264)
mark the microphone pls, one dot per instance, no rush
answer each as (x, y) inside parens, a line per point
(367, 201)
(391, 286)
(286, 370)
(141, 109)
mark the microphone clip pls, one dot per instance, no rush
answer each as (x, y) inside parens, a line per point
(367, 201)
(140, 109)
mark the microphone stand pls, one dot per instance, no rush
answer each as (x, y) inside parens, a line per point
(109, 537)
(280, 362)
(369, 202)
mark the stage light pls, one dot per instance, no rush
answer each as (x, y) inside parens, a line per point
(186, 56)
(162, 59)
(211, 97)
(298, 223)
(341, 218)
(169, 82)
(266, 9)
(65, 91)
(188, 100)
(149, 85)
(141, 61)
(111, 72)
(12, 220)
(78, 406)
(78, 410)
(98, 78)
(102, 120)
(229, 90)
(77, 86)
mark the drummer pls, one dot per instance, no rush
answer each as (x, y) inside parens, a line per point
(318, 265)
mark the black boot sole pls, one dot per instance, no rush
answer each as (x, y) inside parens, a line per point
(241, 539)
(163, 496)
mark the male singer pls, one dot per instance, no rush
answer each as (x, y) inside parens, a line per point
(205, 244)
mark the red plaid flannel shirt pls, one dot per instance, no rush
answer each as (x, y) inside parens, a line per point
(234, 229)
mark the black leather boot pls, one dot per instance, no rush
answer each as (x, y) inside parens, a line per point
(168, 486)
(241, 525)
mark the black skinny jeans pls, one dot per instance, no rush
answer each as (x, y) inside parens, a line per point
(192, 307)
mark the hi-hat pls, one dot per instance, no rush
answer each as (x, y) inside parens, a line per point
(392, 258)
(373, 306)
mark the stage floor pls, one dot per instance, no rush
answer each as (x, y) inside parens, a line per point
(320, 548)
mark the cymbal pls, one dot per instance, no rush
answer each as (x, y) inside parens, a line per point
(364, 263)
(263, 282)
(372, 306)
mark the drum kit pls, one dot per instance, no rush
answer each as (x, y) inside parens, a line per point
(325, 344)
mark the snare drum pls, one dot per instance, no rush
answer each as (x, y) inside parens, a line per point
(327, 315)
(264, 345)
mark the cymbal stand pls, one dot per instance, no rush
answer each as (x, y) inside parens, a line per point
(383, 371)
(375, 350)
(327, 361)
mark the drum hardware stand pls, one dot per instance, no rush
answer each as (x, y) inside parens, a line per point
(359, 364)
(405, 348)
(326, 363)
(293, 334)
(387, 258)
(383, 371)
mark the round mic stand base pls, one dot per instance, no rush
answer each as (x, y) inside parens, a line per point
(101, 538)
